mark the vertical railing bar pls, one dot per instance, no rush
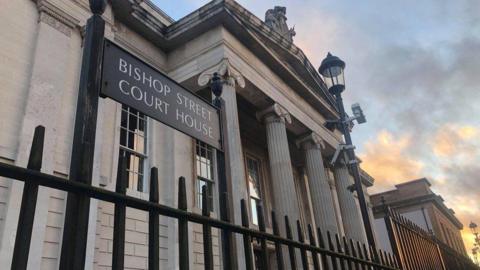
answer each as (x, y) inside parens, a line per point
(360, 255)
(303, 251)
(247, 241)
(313, 242)
(354, 254)
(278, 246)
(333, 259)
(367, 256)
(207, 231)
(26, 217)
(347, 251)
(291, 249)
(340, 250)
(153, 224)
(118, 253)
(263, 242)
(321, 244)
(184, 259)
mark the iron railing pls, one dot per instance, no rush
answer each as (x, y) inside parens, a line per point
(321, 251)
(417, 249)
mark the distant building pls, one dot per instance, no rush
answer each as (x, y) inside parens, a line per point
(417, 202)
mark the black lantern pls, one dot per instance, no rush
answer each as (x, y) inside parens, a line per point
(332, 71)
(216, 85)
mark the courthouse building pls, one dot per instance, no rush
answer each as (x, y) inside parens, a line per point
(278, 150)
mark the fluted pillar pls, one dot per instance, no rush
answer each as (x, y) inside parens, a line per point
(352, 221)
(322, 201)
(283, 187)
(235, 171)
(285, 201)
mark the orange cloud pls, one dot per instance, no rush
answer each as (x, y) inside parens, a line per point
(385, 159)
(453, 139)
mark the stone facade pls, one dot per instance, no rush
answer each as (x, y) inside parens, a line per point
(276, 107)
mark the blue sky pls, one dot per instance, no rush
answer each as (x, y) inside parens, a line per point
(414, 66)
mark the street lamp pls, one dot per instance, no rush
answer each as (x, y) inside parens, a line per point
(332, 71)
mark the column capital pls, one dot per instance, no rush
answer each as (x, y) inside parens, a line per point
(224, 68)
(274, 113)
(310, 141)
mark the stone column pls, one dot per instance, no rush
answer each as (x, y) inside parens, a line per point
(352, 220)
(285, 201)
(283, 188)
(322, 201)
(234, 161)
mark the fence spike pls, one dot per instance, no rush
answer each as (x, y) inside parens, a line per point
(118, 253)
(263, 242)
(153, 224)
(247, 241)
(29, 203)
(291, 249)
(278, 246)
(354, 253)
(332, 248)
(303, 251)
(313, 242)
(321, 244)
(207, 231)
(183, 226)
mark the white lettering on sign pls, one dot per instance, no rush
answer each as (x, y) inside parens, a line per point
(130, 81)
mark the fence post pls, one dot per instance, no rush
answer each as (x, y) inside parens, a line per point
(153, 224)
(75, 228)
(207, 231)
(29, 203)
(313, 242)
(291, 249)
(392, 236)
(278, 246)
(247, 242)
(183, 226)
(119, 216)
(303, 251)
(263, 242)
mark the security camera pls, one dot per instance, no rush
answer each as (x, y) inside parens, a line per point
(357, 111)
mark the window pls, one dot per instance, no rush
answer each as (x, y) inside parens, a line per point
(253, 175)
(204, 166)
(133, 143)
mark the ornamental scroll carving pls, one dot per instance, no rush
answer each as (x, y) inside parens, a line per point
(225, 69)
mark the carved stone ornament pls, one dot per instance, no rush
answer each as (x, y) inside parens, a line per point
(231, 76)
(277, 20)
(312, 140)
(274, 113)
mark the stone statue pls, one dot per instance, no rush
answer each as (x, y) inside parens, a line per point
(277, 20)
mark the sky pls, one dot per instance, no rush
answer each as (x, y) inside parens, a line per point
(414, 66)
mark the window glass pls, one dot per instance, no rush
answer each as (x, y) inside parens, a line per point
(133, 127)
(253, 175)
(204, 167)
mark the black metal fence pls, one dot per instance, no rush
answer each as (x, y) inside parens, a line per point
(417, 249)
(321, 250)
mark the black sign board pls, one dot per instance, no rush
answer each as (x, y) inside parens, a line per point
(129, 80)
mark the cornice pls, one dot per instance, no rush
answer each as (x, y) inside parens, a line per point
(56, 18)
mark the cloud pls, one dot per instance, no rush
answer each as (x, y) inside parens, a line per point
(386, 159)
(455, 141)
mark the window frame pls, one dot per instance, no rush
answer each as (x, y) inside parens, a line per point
(125, 109)
(198, 178)
(261, 187)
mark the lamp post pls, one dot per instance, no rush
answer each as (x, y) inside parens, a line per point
(331, 70)
(476, 243)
